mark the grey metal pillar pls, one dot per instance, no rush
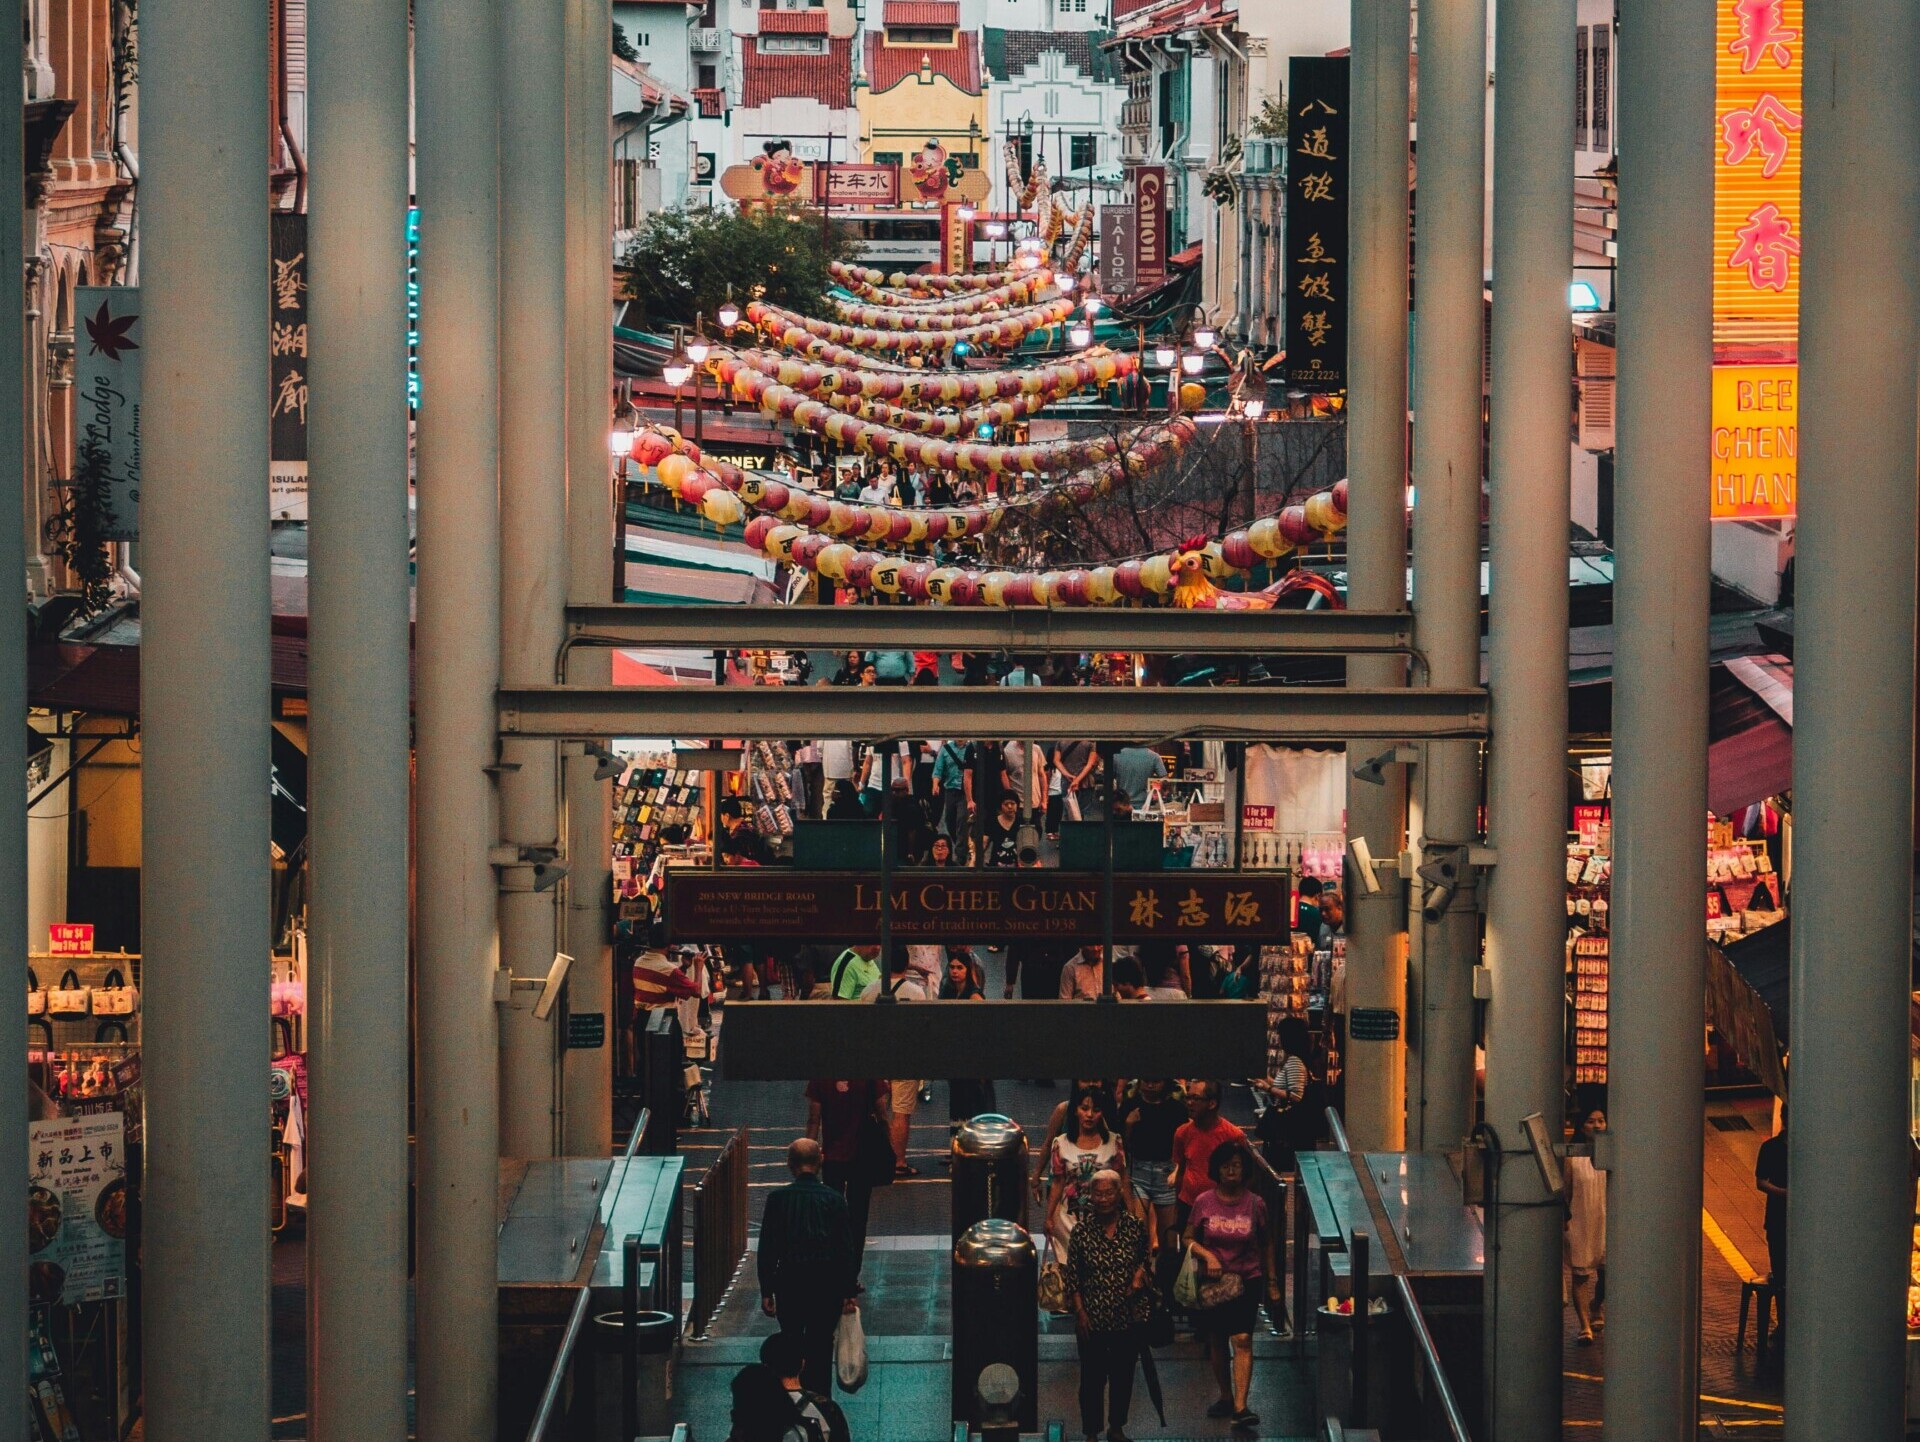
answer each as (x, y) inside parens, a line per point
(1529, 480)
(1448, 356)
(533, 537)
(589, 1072)
(1377, 533)
(204, 714)
(359, 781)
(1660, 716)
(14, 943)
(1849, 1201)
(456, 1041)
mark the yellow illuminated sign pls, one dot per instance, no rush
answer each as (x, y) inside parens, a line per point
(1756, 441)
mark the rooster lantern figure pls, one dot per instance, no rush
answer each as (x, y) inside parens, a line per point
(1194, 591)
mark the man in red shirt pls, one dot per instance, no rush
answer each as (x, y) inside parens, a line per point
(1194, 1142)
(835, 1111)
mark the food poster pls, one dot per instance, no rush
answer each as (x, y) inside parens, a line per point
(77, 1210)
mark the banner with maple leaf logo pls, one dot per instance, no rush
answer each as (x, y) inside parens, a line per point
(106, 402)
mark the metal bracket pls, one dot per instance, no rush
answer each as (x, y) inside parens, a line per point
(1482, 984)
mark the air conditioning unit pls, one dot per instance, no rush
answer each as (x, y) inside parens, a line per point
(1595, 420)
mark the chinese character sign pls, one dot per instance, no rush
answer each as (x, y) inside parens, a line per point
(287, 362)
(1756, 441)
(1758, 114)
(1316, 229)
(106, 400)
(76, 1209)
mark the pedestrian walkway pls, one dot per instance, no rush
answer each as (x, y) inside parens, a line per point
(1740, 1392)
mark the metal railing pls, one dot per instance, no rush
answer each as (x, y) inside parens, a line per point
(556, 1388)
(719, 1230)
(1442, 1408)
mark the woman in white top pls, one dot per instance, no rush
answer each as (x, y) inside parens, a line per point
(1586, 1231)
(1086, 1144)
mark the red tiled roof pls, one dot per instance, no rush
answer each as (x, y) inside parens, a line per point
(827, 78)
(921, 12)
(793, 22)
(888, 65)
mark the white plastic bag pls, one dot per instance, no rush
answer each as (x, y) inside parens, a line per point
(850, 1352)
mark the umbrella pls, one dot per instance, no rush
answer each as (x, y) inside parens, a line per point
(1150, 1370)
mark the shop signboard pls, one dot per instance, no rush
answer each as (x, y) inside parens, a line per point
(76, 1209)
(1756, 441)
(1316, 224)
(705, 167)
(857, 184)
(1257, 818)
(70, 938)
(1591, 822)
(287, 364)
(1117, 245)
(106, 401)
(760, 903)
(1149, 225)
(1759, 114)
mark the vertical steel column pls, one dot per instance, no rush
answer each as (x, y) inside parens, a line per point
(589, 1073)
(533, 532)
(1530, 475)
(457, 1045)
(1448, 357)
(1849, 1201)
(14, 943)
(204, 702)
(358, 790)
(1377, 533)
(1665, 292)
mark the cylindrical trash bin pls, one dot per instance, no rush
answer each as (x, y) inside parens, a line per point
(989, 1172)
(996, 1322)
(1336, 1395)
(652, 1383)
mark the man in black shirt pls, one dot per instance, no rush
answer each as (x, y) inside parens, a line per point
(807, 1262)
(740, 844)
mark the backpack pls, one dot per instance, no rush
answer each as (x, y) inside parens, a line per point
(836, 1428)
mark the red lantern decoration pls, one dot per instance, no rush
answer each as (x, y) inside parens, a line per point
(964, 590)
(1294, 525)
(1126, 578)
(860, 569)
(1237, 551)
(757, 531)
(1340, 496)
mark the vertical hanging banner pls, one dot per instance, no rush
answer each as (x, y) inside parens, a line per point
(1758, 114)
(287, 355)
(1117, 242)
(955, 240)
(1150, 225)
(106, 403)
(1317, 222)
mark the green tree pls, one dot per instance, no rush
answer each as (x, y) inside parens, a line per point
(621, 45)
(683, 261)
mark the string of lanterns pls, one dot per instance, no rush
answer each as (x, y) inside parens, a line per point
(916, 284)
(843, 375)
(793, 329)
(1014, 292)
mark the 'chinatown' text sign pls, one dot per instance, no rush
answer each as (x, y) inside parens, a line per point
(766, 904)
(1316, 230)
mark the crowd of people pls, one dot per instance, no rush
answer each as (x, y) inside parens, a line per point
(1155, 1207)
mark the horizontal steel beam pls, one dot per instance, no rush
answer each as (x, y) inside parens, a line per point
(941, 628)
(796, 1041)
(1101, 713)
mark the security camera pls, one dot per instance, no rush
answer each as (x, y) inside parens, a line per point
(1434, 904)
(607, 764)
(550, 989)
(1442, 876)
(1363, 864)
(547, 875)
(1373, 771)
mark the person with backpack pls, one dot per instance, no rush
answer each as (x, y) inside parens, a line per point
(762, 1410)
(819, 1415)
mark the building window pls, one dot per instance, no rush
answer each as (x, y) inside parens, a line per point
(1602, 83)
(709, 78)
(1083, 151)
(886, 157)
(707, 16)
(1024, 146)
(920, 35)
(1580, 89)
(970, 160)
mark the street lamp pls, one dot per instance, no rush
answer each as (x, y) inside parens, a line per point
(1080, 333)
(620, 445)
(1191, 363)
(676, 370)
(1253, 408)
(1166, 357)
(728, 314)
(698, 349)
(1204, 337)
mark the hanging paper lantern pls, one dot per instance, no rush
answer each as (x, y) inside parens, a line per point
(1193, 395)
(759, 529)
(693, 490)
(940, 583)
(1265, 539)
(1236, 549)
(775, 495)
(1127, 580)
(1295, 526)
(879, 524)
(1101, 587)
(936, 523)
(1214, 561)
(722, 507)
(832, 560)
(1321, 514)
(964, 590)
(1072, 590)
(884, 576)
(1020, 589)
(1340, 497)
(650, 446)
(913, 580)
(673, 471)
(975, 520)
(781, 540)
(860, 569)
(1156, 574)
(806, 551)
(819, 514)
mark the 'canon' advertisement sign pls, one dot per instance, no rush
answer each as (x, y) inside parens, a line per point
(1150, 231)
